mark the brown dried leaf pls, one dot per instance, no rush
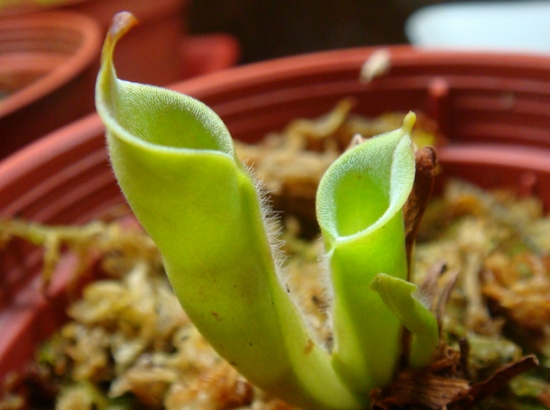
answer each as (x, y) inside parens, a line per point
(426, 162)
(419, 388)
(443, 384)
(429, 284)
(500, 378)
(442, 296)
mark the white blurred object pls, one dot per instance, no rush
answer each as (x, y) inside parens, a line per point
(379, 63)
(503, 26)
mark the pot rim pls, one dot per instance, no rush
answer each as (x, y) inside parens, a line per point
(344, 59)
(167, 6)
(32, 7)
(86, 53)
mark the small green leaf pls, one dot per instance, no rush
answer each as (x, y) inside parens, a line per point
(175, 162)
(359, 208)
(399, 297)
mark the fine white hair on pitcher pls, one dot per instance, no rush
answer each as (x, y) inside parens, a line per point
(271, 221)
(273, 229)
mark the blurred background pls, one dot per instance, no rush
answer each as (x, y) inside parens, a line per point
(275, 28)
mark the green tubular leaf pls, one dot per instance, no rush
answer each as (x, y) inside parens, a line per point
(399, 297)
(174, 160)
(359, 209)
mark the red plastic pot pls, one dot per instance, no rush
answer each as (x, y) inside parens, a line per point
(48, 65)
(65, 177)
(149, 53)
(208, 53)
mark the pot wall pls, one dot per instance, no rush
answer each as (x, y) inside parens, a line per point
(48, 65)
(149, 53)
(65, 177)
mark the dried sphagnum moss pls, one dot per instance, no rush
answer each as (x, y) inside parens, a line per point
(129, 345)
